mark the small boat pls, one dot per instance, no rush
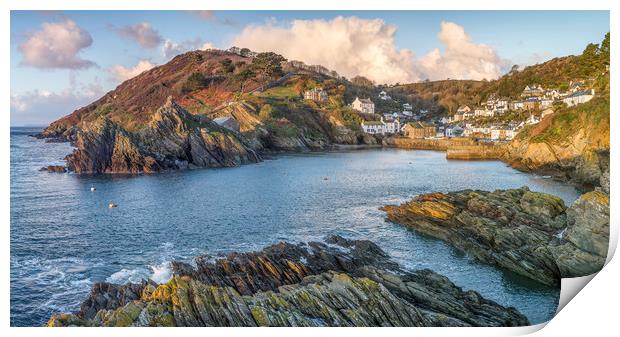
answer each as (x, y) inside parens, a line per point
(93, 189)
(325, 178)
(112, 205)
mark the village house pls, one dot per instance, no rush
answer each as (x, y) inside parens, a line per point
(574, 86)
(227, 122)
(480, 112)
(316, 94)
(503, 134)
(579, 97)
(546, 103)
(419, 130)
(517, 105)
(453, 131)
(381, 127)
(532, 91)
(407, 107)
(532, 119)
(531, 103)
(364, 105)
(467, 115)
(384, 96)
(463, 109)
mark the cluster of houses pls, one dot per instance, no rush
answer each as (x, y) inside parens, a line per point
(534, 98)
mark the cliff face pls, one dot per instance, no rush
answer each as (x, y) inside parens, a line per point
(532, 234)
(337, 283)
(572, 144)
(173, 139)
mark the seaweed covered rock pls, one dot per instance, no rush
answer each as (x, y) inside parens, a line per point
(338, 282)
(530, 233)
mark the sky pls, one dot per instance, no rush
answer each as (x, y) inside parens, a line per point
(61, 61)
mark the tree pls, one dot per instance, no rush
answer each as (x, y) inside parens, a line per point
(243, 76)
(267, 65)
(362, 81)
(604, 49)
(194, 82)
(227, 66)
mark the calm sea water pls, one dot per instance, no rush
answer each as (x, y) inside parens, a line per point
(64, 238)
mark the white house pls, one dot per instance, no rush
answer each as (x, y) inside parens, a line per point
(384, 96)
(407, 107)
(453, 131)
(364, 105)
(463, 109)
(479, 112)
(381, 127)
(579, 97)
(373, 127)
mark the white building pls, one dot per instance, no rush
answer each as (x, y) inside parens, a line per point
(381, 127)
(479, 112)
(453, 131)
(463, 109)
(364, 105)
(579, 97)
(384, 96)
(407, 107)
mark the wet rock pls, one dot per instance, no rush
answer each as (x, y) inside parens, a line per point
(54, 169)
(338, 282)
(530, 233)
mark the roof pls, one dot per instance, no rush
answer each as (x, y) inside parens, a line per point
(365, 100)
(420, 125)
(581, 93)
(372, 123)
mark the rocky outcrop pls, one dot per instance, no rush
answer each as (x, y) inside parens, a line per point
(532, 234)
(54, 169)
(338, 282)
(173, 139)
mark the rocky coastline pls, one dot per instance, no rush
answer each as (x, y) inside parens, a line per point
(532, 234)
(338, 282)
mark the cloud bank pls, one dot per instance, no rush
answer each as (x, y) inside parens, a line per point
(41, 107)
(56, 45)
(142, 33)
(171, 49)
(121, 73)
(462, 59)
(354, 46)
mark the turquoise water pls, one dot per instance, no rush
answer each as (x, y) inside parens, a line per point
(64, 237)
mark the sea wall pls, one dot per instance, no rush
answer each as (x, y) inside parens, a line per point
(442, 144)
(476, 152)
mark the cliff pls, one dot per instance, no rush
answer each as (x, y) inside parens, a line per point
(337, 283)
(532, 234)
(173, 139)
(571, 144)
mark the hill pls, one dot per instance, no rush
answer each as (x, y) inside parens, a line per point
(162, 118)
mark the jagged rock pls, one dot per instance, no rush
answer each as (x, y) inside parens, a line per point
(516, 229)
(336, 283)
(172, 138)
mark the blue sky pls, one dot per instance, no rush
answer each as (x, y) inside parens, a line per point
(503, 37)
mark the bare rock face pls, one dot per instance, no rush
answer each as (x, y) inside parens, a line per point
(338, 282)
(532, 234)
(174, 139)
(54, 169)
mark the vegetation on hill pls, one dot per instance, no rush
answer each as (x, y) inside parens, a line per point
(447, 95)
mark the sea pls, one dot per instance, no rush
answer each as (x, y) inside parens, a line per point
(64, 238)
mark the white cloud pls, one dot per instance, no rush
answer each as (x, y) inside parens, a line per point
(39, 107)
(56, 46)
(354, 46)
(462, 58)
(171, 49)
(351, 46)
(121, 73)
(142, 33)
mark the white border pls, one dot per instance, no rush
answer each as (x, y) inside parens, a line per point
(592, 312)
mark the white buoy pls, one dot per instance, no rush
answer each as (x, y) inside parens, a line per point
(112, 205)
(93, 189)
